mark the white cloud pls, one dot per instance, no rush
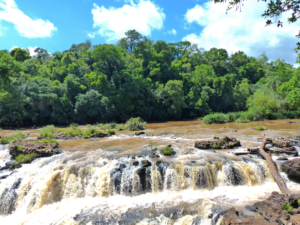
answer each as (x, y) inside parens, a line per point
(173, 32)
(26, 26)
(245, 30)
(31, 51)
(143, 16)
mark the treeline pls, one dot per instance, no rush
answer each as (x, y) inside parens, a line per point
(137, 77)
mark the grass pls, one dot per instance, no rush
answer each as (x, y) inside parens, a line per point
(26, 158)
(166, 152)
(288, 207)
(20, 148)
(260, 128)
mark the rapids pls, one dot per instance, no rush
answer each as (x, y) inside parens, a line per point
(118, 180)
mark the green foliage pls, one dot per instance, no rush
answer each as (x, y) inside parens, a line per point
(215, 118)
(49, 141)
(47, 131)
(20, 148)
(135, 124)
(141, 78)
(287, 207)
(216, 146)
(261, 128)
(145, 164)
(86, 134)
(166, 152)
(4, 141)
(26, 158)
(18, 136)
(111, 132)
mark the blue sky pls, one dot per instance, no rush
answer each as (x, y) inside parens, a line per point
(56, 25)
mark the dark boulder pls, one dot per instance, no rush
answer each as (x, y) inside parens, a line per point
(292, 168)
(99, 135)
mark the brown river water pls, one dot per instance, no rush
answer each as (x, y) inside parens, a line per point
(102, 181)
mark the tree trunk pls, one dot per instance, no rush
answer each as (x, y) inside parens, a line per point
(273, 169)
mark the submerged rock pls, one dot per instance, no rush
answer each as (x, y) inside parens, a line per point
(217, 143)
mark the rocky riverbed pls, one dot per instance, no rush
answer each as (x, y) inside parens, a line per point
(156, 177)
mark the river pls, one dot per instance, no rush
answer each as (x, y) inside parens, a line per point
(103, 181)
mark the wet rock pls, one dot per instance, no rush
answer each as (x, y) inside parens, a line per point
(168, 151)
(290, 122)
(173, 214)
(282, 159)
(162, 167)
(292, 168)
(99, 135)
(271, 208)
(139, 133)
(145, 178)
(32, 146)
(146, 163)
(232, 217)
(136, 163)
(282, 142)
(8, 198)
(224, 143)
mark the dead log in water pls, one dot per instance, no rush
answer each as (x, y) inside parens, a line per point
(273, 168)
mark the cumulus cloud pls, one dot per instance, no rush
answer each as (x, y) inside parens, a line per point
(143, 16)
(30, 49)
(245, 30)
(26, 26)
(173, 32)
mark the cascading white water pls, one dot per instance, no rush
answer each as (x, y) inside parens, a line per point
(86, 188)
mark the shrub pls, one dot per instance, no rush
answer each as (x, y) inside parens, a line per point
(111, 132)
(19, 136)
(4, 141)
(167, 152)
(287, 207)
(112, 125)
(135, 124)
(91, 129)
(48, 131)
(120, 127)
(26, 158)
(74, 125)
(232, 116)
(215, 118)
(86, 134)
(242, 120)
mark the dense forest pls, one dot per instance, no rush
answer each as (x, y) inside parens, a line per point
(138, 77)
